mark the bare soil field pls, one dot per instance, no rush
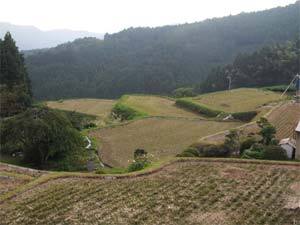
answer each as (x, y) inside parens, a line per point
(190, 192)
(157, 106)
(160, 137)
(96, 107)
(237, 100)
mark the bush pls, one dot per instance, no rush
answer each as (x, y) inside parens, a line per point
(140, 160)
(197, 108)
(244, 116)
(137, 165)
(184, 92)
(246, 144)
(274, 152)
(255, 152)
(205, 149)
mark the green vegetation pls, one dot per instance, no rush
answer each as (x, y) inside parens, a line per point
(124, 112)
(46, 138)
(15, 87)
(157, 60)
(184, 92)
(187, 192)
(264, 67)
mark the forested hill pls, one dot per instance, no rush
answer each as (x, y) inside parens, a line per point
(272, 65)
(155, 60)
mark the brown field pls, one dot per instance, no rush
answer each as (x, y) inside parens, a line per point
(160, 137)
(285, 119)
(157, 106)
(237, 100)
(96, 107)
(12, 177)
(190, 192)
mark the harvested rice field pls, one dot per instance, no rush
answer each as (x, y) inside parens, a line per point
(189, 192)
(160, 137)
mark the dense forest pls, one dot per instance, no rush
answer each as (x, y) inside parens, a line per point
(272, 65)
(155, 60)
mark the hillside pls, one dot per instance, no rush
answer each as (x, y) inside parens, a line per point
(30, 37)
(188, 192)
(269, 66)
(155, 60)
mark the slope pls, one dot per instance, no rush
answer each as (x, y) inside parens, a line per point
(155, 60)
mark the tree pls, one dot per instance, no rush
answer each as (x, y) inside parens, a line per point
(267, 131)
(41, 134)
(15, 88)
(232, 142)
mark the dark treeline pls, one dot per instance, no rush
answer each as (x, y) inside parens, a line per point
(273, 65)
(155, 60)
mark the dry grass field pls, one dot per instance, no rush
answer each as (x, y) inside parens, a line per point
(160, 137)
(157, 106)
(237, 100)
(97, 107)
(190, 192)
(285, 119)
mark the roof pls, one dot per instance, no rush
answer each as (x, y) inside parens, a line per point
(288, 141)
(298, 127)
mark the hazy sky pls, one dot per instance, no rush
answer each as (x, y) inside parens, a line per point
(114, 15)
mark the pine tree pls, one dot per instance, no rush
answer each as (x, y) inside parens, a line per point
(15, 88)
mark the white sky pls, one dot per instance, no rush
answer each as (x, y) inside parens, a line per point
(115, 15)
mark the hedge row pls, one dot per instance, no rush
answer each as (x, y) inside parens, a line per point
(201, 109)
(244, 116)
(197, 108)
(124, 112)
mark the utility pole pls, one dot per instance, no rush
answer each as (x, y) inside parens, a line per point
(229, 79)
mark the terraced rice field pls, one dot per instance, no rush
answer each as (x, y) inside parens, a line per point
(237, 100)
(285, 119)
(12, 177)
(97, 107)
(160, 137)
(191, 192)
(157, 106)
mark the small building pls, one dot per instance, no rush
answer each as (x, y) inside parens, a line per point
(297, 136)
(289, 145)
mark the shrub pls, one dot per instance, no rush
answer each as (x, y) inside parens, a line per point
(184, 92)
(201, 109)
(141, 160)
(255, 152)
(205, 149)
(274, 152)
(246, 144)
(137, 165)
(244, 116)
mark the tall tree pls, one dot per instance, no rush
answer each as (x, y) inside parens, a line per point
(15, 88)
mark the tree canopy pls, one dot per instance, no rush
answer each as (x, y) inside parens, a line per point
(15, 88)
